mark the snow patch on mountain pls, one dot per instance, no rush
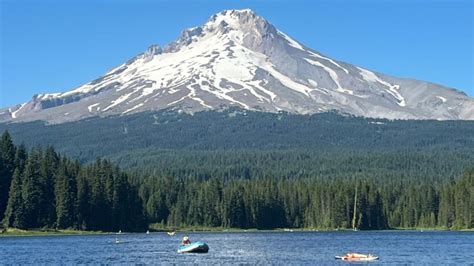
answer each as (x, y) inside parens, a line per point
(392, 89)
(332, 74)
(133, 108)
(442, 98)
(91, 107)
(14, 113)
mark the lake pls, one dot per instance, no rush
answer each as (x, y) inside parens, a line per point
(243, 248)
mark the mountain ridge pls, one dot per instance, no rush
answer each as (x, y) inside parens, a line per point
(238, 58)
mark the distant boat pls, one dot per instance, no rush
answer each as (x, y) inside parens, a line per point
(147, 232)
(196, 247)
(119, 232)
(171, 233)
(357, 257)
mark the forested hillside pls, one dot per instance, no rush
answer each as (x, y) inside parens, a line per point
(243, 144)
(41, 189)
(239, 169)
(238, 129)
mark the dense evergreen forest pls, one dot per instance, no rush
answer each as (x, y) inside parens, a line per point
(242, 144)
(309, 203)
(235, 129)
(41, 189)
(435, 166)
(237, 168)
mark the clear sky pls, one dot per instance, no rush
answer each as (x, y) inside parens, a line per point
(53, 45)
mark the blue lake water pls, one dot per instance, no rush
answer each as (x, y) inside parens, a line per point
(300, 248)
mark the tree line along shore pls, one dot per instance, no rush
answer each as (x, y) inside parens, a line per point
(40, 188)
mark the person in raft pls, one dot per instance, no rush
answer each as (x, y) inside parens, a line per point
(185, 241)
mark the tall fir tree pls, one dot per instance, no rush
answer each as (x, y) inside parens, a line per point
(31, 190)
(83, 201)
(7, 154)
(14, 214)
(20, 157)
(48, 168)
(65, 190)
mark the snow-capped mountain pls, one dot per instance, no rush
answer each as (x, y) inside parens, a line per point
(237, 58)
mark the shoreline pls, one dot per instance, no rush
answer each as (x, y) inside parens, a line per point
(296, 230)
(11, 232)
(159, 228)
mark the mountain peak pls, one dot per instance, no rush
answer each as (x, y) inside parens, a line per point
(236, 12)
(238, 25)
(237, 19)
(238, 15)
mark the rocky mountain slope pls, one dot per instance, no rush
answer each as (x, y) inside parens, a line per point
(238, 59)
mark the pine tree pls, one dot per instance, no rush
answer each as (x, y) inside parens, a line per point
(21, 156)
(31, 190)
(156, 207)
(14, 214)
(48, 168)
(100, 208)
(134, 216)
(83, 201)
(106, 174)
(446, 214)
(65, 190)
(7, 155)
(236, 214)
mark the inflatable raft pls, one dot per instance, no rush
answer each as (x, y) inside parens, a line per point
(196, 247)
(357, 257)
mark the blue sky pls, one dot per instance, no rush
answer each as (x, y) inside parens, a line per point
(53, 46)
